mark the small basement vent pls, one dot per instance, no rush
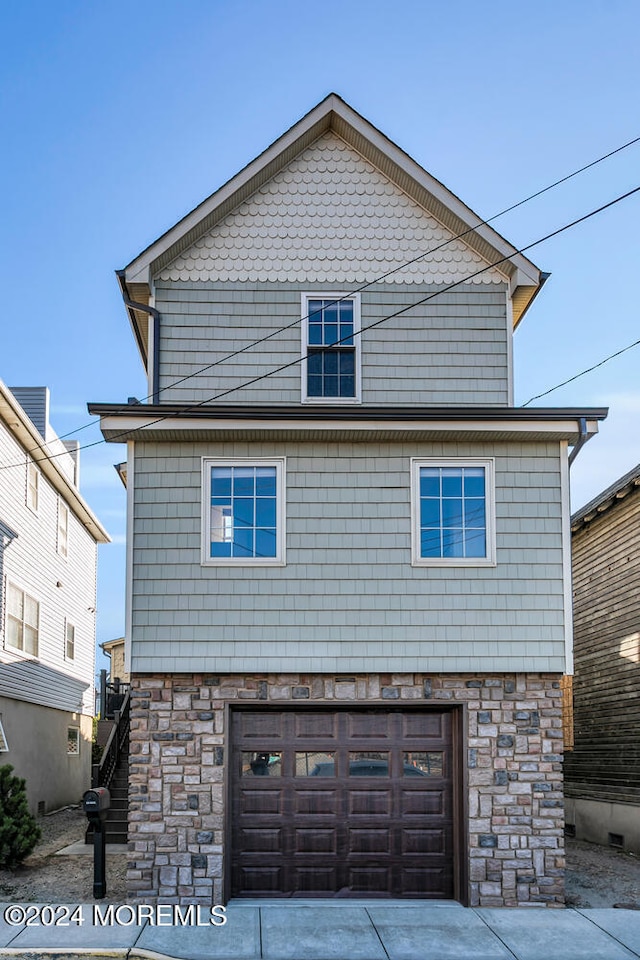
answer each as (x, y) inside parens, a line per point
(569, 829)
(42, 808)
(616, 840)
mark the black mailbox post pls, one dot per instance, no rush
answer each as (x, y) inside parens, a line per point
(96, 803)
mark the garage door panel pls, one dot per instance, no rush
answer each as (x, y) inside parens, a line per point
(315, 802)
(260, 725)
(259, 802)
(367, 726)
(424, 841)
(260, 839)
(426, 882)
(369, 803)
(321, 880)
(315, 840)
(424, 803)
(369, 840)
(260, 880)
(368, 880)
(425, 726)
(315, 726)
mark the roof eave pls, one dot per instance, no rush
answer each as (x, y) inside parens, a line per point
(28, 437)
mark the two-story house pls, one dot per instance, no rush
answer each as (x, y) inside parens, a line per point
(348, 606)
(48, 553)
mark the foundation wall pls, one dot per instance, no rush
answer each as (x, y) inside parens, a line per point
(511, 777)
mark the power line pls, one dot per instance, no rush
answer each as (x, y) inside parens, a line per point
(379, 279)
(377, 323)
(578, 375)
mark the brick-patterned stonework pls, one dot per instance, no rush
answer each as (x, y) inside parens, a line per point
(514, 754)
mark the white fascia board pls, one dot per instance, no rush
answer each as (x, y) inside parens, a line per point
(566, 557)
(28, 437)
(123, 426)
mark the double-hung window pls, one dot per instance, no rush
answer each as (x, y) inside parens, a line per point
(331, 347)
(243, 522)
(63, 529)
(33, 486)
(453, 512)
(23, 621)
(69, 641)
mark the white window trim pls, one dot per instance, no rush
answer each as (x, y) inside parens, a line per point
(490, 499)
(64, 553)
(74, 753)
(357, 342)
(32, 467)
(280, 464)
(9, 646)
(67, 624)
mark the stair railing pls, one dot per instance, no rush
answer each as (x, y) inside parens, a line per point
(102, 773)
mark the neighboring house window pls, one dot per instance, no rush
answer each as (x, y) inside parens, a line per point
(63, 529)
(453, 512)
(23, 621)
(243, 511)
(73, 741)
(4, 746)
(70, 641)
(33, 486)
(331, 347)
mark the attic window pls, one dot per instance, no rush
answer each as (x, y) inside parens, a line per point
(331, 347)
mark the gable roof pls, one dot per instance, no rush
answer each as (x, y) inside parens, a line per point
(332, 114)
(23, 429)
(622, 487)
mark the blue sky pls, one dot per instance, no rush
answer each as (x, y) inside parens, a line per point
(118, 118)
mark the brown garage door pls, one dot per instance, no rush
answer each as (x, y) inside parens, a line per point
(349, 803)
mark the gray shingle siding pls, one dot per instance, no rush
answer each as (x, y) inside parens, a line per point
(348, 588)
(451, 350)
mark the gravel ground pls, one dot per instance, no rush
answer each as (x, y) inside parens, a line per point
(46, 878)
(596, 876)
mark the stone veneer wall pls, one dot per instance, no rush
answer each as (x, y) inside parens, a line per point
(514, 773)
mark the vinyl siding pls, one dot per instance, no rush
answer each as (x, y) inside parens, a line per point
(348, 598)
(33, 564)
(454, 349)
(605, 761)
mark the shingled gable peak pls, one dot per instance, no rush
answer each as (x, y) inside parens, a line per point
(334, 122)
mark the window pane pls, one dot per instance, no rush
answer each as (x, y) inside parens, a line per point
(314, 364)
(265, 481)
(452, 543)
(430, 513)
(266, 512)
(474, 481)
(257, 764)
(220, 549)
(220, 482)
(30, 610)
(243, 482)
(15, 601)
(451, 482)
(347, 387)
(422, 764)
(315, 764)
(30, 640)
(330, 386)
(452, 513)
(314, 386)
(475, 543)
(347, 362)
(70, 641)
(330, 362)
(430, 543)
(243, 542)
(243, 512)
(266, 543)
(315, 333)
(14, 633)
(369, 764)
(346, 334)
(429, 482)
(474, 513)
(346, 311)
(330, 312)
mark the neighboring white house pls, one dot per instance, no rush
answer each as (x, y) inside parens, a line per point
(48, 538)
(349, 603)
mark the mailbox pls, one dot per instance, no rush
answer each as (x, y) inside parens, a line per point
(96, 803)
